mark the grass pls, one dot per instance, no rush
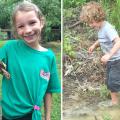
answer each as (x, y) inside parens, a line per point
(107, 116)
(56, 106)
(104, 92)
(56, 113)
(1, 42)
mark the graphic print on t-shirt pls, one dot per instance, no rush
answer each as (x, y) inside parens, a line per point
(45, 75)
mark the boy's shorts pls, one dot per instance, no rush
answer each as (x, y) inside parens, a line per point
(113, 75)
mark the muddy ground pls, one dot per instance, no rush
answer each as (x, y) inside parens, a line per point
(85, 96)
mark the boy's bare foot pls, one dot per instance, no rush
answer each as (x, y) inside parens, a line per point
(108, 104)
(115, 103)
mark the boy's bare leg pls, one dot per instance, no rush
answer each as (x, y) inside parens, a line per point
(114, 97)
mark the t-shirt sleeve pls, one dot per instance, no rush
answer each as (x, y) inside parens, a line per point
(3, 52)
(54, 82)
(111, 33)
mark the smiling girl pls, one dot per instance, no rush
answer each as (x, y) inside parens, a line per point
(32, 68)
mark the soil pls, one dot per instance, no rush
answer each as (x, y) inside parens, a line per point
(81, 86)
(73, 96)
(84, 95)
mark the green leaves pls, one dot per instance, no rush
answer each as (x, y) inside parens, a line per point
(73, 3)
(68, 48)
(111, 8)
(51, 9)
(6, 7)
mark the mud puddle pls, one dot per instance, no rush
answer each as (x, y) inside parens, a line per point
(93, 113)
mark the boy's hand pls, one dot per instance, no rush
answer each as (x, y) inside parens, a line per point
(105, 58)
(90, 49)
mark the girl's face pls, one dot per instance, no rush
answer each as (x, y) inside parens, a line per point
(28, 26)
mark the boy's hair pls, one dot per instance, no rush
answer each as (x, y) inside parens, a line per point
(92, 11)
(26, 6)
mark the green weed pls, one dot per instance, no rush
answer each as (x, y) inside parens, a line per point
(107, 116)
(104, 92)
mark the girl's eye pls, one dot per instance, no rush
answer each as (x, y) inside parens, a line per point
(21, 26)
(32, 22)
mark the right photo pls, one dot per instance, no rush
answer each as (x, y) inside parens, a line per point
(91, 60)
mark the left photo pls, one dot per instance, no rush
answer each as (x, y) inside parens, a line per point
(30, 60)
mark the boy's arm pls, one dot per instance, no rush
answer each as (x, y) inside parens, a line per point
(115, 48)
(92, 47)
(47, 105)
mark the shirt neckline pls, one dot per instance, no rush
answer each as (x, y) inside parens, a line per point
(32, 49)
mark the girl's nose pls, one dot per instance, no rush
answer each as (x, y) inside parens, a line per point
(27, 29)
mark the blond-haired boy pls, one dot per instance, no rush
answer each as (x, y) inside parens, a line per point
(108, 39)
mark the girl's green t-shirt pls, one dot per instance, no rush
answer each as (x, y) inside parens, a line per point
(33, 73)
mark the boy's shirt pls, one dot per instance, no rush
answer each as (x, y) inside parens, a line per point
(106, 36)
(33, 73)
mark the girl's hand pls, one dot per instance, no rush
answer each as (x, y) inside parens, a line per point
(90, 49)
(105, 58)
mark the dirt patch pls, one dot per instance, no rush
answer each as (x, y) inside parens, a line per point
(82, 81)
